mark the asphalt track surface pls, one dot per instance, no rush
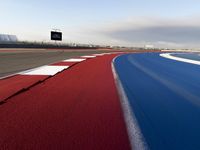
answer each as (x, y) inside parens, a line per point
(164, 96)
(13, 61)
(78, 108)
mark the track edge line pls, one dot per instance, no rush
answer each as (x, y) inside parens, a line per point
(136, 138)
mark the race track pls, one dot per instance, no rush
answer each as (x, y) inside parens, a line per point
(104, 101)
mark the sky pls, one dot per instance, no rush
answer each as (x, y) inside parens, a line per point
(169, 23)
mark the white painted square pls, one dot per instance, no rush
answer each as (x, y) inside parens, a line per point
(74, 60)
(45, 70)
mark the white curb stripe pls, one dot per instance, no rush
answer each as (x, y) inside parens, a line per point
(98, 54)
(167, 55)
(88, 56)
(74, 60)
(45, 70)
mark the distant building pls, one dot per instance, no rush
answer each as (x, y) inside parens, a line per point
(8, 38)
(149, 46)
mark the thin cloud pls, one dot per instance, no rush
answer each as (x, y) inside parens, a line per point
(175, 34)
(184, 32)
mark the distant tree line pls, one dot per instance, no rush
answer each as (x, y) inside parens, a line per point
(45, 45)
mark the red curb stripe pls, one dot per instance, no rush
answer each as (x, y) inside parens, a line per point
(63, 64)
(13, 84)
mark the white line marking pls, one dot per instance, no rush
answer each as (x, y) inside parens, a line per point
(98, 54)
(105, 53)
(136, 138)
(88, 56)
(45, 70)
(74, 60)
(167, 55)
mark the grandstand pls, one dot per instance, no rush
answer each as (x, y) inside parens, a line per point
(8, 38)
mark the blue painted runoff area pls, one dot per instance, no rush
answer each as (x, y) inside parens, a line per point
(192, 56)
(164, 95)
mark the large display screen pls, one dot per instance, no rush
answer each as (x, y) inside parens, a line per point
(56, 36)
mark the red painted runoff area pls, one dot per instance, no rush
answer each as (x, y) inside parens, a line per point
(78, 108)
(14, 84)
